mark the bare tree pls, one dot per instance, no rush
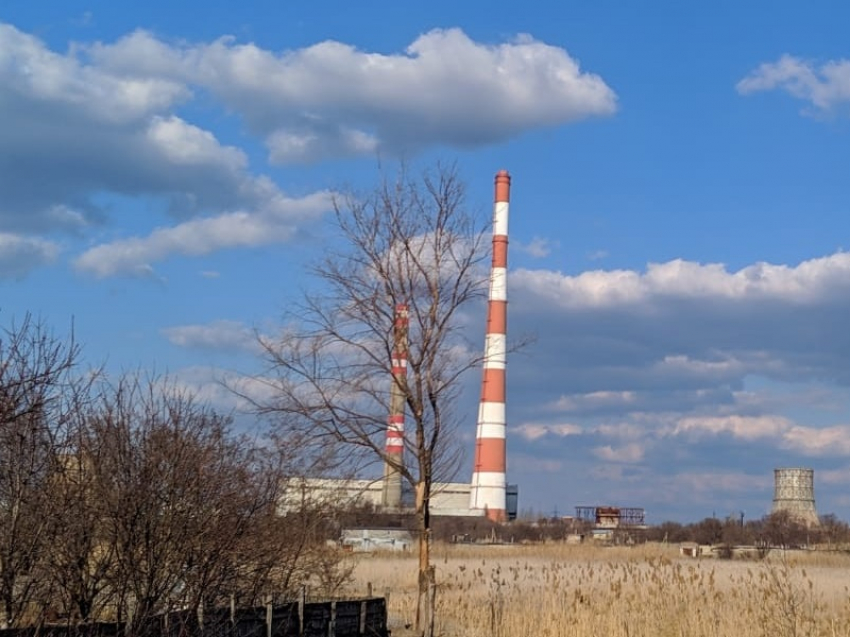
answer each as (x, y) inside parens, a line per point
(181, 499)
(80, 559)
(35, 370)
(125, 500)
(409, 242)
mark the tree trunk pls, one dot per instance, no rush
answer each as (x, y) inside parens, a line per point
(426, 601)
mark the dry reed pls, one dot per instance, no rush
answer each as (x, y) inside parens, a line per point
(644, 591)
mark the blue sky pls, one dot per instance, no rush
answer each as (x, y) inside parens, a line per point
(679, 210)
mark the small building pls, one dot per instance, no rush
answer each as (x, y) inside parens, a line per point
(368, 540)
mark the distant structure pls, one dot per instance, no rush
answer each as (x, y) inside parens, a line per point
(608, 517)
(488, 475)
(391, 498)
(448, 499)
(794, 492)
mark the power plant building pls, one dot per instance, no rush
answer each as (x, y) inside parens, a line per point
(794, 493)
(447, 498)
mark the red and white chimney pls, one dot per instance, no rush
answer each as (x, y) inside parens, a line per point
(391, 497)
(488, 477)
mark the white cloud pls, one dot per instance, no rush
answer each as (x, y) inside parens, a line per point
(682, 279)
(224, 390)
(100, 120)
(202, 236)
(33, 73)
(184, 144)
(681, 327)
(537, 248)
(742, 427)
(622, 431)
(629, 453)
(596, 398)
(825, 441)
(775, 431)
(286, 147)
(19, 255)
(331, 99)
(534, 431)
(825, 87)
(103, 134)
(705, 368)
(218, 335)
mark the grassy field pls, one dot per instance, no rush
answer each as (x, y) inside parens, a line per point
(642, 591)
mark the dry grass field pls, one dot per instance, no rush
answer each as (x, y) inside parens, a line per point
(643, 591)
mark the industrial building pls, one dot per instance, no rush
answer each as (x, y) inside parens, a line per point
(447, 498)
(609, 517)
(794, 493)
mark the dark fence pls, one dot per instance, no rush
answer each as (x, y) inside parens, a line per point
(343, 618)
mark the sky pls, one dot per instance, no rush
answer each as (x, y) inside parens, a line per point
(679, 210)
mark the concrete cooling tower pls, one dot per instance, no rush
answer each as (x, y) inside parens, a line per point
(794, 492)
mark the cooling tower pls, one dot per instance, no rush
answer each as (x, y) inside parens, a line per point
(487, 491)
(391, 496)
(794, 492)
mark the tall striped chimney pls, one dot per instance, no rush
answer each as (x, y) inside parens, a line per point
(488, 477)
(391, 497)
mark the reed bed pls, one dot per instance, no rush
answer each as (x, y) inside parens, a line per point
(643, 591)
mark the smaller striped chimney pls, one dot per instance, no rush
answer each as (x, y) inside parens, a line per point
(488, 477)
(391, 497)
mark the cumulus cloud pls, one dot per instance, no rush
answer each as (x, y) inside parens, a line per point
(683, 325)
(331, 99)
(201, 236)
(101, 119)
(627, 440)
(682, 368)
(19, 255)
(99, 133)
(684, 280)
(825, 86)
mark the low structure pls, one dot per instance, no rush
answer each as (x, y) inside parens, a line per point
(447, 498)
(609, 517)
(366, 540)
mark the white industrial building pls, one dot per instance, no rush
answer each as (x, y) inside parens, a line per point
(447, 498)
